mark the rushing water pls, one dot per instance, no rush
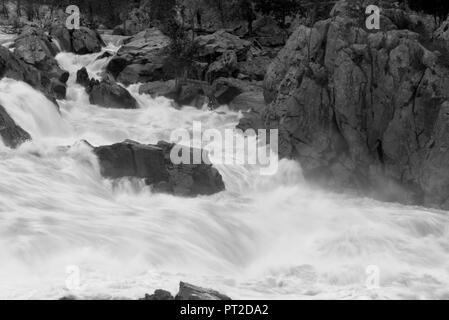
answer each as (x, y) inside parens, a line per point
(264, 237)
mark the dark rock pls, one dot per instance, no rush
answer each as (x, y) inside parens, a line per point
(109, 94)
(254, 68)
(142, 59)
(152, 163)
(15, 68)
(104, 55)
(11, 134)
(225, 66)
(191, 292)
(166, 89)
(159, 295)
(106, 93)
(79, 41)
(35, 48)
(227, 89)
(252, 100)
(212, 46)
(269, 33)
(362, 110)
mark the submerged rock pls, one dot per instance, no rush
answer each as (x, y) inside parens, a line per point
(11, 134)
(159, 295)
(153, 163)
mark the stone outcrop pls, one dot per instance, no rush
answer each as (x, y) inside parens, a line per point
(13, 67)
(191, 292)
(79, 41)
(142, 59)
(153, 164)
(187, 292)
(106, 93)
(360, 109)
(212, 46)
(36, 48)
(11, 134)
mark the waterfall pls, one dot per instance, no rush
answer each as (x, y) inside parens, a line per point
(265, 237)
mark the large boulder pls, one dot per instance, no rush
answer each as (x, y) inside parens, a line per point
(79, 41)
(142, 59)
(11, 134)
(106, 93)
(13, 67)
(227, 89)
(153, 163)
(362, 109)
(36, 48)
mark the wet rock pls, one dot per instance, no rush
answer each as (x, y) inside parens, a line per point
(106, 93)
(227, 89)
(153, 164)
(15, 68)
(191, 292)
(79, 41)
(36, 48)
(142, 59)
(11, 134)
(166, 89)
(159, 295)
(361, 110)
(254, 68)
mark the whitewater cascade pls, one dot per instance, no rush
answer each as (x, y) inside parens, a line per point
(264, 237)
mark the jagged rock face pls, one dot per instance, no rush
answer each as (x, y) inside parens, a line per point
(211, 46)
(362, 109)
(79, 41)
(152, 163)
(268, 33)
(15, 68)
(36, 48)
(11, 134)
(142, 59)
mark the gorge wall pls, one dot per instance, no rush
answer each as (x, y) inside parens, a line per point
(365, 110)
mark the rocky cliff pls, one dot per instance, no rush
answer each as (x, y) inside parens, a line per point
(365, 110)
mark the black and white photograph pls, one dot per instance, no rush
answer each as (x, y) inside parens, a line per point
(224, 150)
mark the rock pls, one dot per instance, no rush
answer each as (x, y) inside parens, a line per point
(104, 55)
(152, 163)
(361, 110)
(191, 292)
(227, 89)
(109, 94)
(79, 41)
(106, 93)
(159, 295)
(268, 33)
(254, 68)
(35, 48)
(225, 66)
(15, 68)
(82, 78)
(166, 89)
(246, 101)
(142, 59)
(212, 46)
(11, 134)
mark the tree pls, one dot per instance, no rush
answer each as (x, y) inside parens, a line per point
(438, 8)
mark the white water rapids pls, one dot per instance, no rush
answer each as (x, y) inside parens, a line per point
(264, 237)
